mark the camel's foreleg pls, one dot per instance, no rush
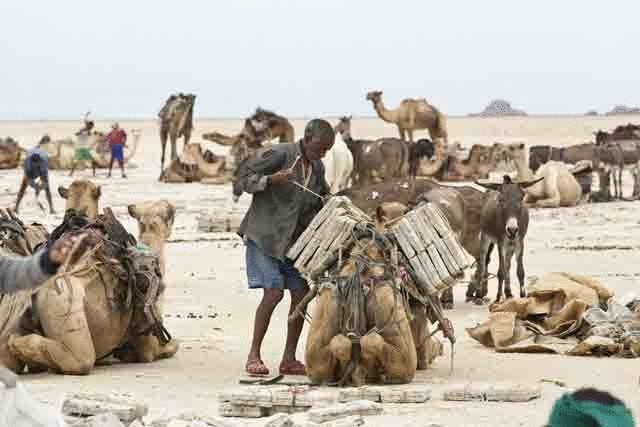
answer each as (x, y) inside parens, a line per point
(323, 361)
(174, 150)
(67, 345)
(395, 358)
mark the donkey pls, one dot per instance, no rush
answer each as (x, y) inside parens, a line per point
(504, 221)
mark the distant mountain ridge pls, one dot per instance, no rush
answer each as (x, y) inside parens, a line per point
(499, 108)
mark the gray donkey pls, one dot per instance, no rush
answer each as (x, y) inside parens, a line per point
(504, 221)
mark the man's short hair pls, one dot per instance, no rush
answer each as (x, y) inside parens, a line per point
(318, 128)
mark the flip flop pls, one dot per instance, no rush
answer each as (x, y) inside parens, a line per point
(293, 367)
(256, 368)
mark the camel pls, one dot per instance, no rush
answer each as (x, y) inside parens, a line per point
(89, 312)
(558, 188)
(268, 125)
(195, 166)
(541, 154)
(412, 114)
(338, 164)
(61, 152)
(378, 345)
(10, 153)
(375, 161)
(155, 222)
(82, 197)
(482, 160)
(176, 120)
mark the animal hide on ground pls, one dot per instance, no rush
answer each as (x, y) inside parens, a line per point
(562, 314)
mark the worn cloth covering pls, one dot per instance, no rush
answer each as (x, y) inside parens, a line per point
(552, 319)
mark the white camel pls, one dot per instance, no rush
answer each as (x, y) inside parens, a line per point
(338, 165)
(558, 188)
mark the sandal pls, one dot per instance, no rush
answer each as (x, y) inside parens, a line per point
(256, 368)
(292, 368)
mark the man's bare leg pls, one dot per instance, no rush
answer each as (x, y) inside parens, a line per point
(294, 329)
(47, 191)
(110, 167)
(124, 175)
(270, 299)
(23, 188)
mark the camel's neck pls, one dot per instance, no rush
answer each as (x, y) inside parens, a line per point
(524, 173)
(157, 244)
(390, 116)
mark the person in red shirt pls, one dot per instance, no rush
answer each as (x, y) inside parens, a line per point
(117, 140)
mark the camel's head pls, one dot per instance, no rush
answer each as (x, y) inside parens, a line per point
(155, 221)
(374, 96)
(601, 137)
(262, 120)
(389, 211)
(82, 196)
(344, 127)
(515, 152)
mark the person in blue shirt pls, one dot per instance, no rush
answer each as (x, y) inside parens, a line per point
(36, 176)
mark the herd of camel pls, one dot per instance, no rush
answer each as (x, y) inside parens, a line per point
(358, 163)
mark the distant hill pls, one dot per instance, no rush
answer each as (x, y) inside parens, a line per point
(591, 113)
(499, 108)
(623, 109)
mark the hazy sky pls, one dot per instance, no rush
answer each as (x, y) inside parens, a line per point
(314, 57)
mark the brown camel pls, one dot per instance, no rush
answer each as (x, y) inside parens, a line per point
(541, 154)
(412, 114)
(155, 221)
(269, 125)
(195, 165)
(384, 158)
(82, 197)
(176, 120)
(482, 160)
(10, 153)
(89, 313)
(386, 349)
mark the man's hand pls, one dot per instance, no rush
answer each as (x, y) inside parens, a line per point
(281, 177)
(60, 250)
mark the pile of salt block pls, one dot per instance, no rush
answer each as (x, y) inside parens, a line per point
(220, 220)
(284, 406)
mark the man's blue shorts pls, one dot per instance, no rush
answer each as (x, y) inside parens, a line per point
(264, 271)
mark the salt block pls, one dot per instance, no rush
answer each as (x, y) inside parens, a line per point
(492, 392)
(284, 409)
(291, 396)
(341, 410)
(86, 405)
(102, 420)
(405, 394)
(228, 409)
(323, 397)
(248, 396)
(359, 393)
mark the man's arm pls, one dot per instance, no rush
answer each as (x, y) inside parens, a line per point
(253, 176)
(20, 273)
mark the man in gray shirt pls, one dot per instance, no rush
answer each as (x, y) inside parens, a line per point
(280, 211)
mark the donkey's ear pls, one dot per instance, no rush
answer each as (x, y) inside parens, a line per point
(528, 184)
(495, 186)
